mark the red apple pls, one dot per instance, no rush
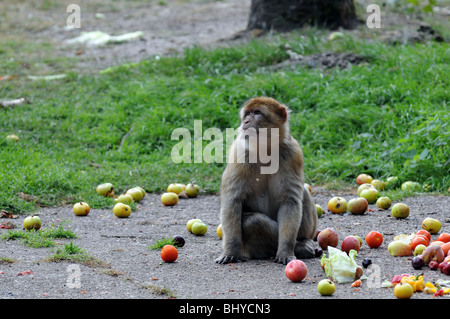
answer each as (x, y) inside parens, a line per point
(327, 237)
(363, 178)
(350, 242)
(358, 206)
(296, 270)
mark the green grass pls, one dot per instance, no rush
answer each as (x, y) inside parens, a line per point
(387, 117)
(40, 238)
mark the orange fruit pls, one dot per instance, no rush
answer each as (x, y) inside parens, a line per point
(444, 237)
(374, 239)
(169, 253)
(417, 240)
(425, 233)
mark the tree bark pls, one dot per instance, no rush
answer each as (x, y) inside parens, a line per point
(286, 15)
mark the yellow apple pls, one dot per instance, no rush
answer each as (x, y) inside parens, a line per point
(169, 199)
(81, 209)
(122, 210)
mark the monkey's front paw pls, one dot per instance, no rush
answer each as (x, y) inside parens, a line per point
(284, 259)
(224, 259)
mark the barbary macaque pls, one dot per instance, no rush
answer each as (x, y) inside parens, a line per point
(265, 210)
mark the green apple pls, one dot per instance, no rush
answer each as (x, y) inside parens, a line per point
(391, 181)
(136, 194)
(319, 210)
(335, 35)
(363, 187)
(380, 185)
(12, 138)
(169, 199)
(326, 287)
(357, 206)
(410, 186)
(122, 210)
(81, 209)
(191, 222)
(400, 210)
(419, 249)
(125, 199)
(176, 188)
(105, 189)
(32, 222)
(199, 228)
(192, 190)
(371, 194)
(384, 202)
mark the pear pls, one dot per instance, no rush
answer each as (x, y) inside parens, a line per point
(399, 248)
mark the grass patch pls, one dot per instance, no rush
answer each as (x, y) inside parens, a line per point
(73, 253)
(161, 243)
(388, 117)
(40, 238)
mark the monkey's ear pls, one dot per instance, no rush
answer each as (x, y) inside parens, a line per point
(283, 112)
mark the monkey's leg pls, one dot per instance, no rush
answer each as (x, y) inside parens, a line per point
(305, 247)
(259, 236)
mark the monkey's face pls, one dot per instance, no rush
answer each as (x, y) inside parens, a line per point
(253, 118)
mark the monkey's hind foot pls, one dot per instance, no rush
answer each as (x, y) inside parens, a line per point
(229, 259)
(305, 249)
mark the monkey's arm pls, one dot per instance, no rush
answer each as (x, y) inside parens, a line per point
(231, 219)
(289, 218)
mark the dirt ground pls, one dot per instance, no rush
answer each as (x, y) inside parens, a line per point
(130, 270)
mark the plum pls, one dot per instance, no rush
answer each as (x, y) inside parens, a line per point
(418, 262)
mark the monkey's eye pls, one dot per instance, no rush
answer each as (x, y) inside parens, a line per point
(247, 113)
(257, 112)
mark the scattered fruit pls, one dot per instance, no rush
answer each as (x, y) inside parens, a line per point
(136, 193)
(190, 223)
(418, 262)
(399, 248)
(371, 194)
(374, 239)
(319, 210)
(178, 241)
(384, 202)
(175, 188)
(379, 185)
(425, 233)
(433, 265)
(335, 35)
(363, 187)
(403, 290)
(122, 210)
(357, 206)
(296, 270)
(444, 237)
(327, 237)
(12, 138)
(364, 178)
(350, 242)
(169, 199)
(219, 231)
(391, 181)
(431, 225)
(433, 253)
(337, 205)
(32, 222)
(410, 186)
(125, 199)
(199, 228)
(366, 262)
(400, 210)
(105, 189)
(326, 287)
(419, 249)
(418, 240)
(81, 209)
(169, 253)
(192, 190)
(308, 187)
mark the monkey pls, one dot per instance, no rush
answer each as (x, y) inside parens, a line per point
(265, 215)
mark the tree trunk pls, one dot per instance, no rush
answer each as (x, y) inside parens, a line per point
(286, 15)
